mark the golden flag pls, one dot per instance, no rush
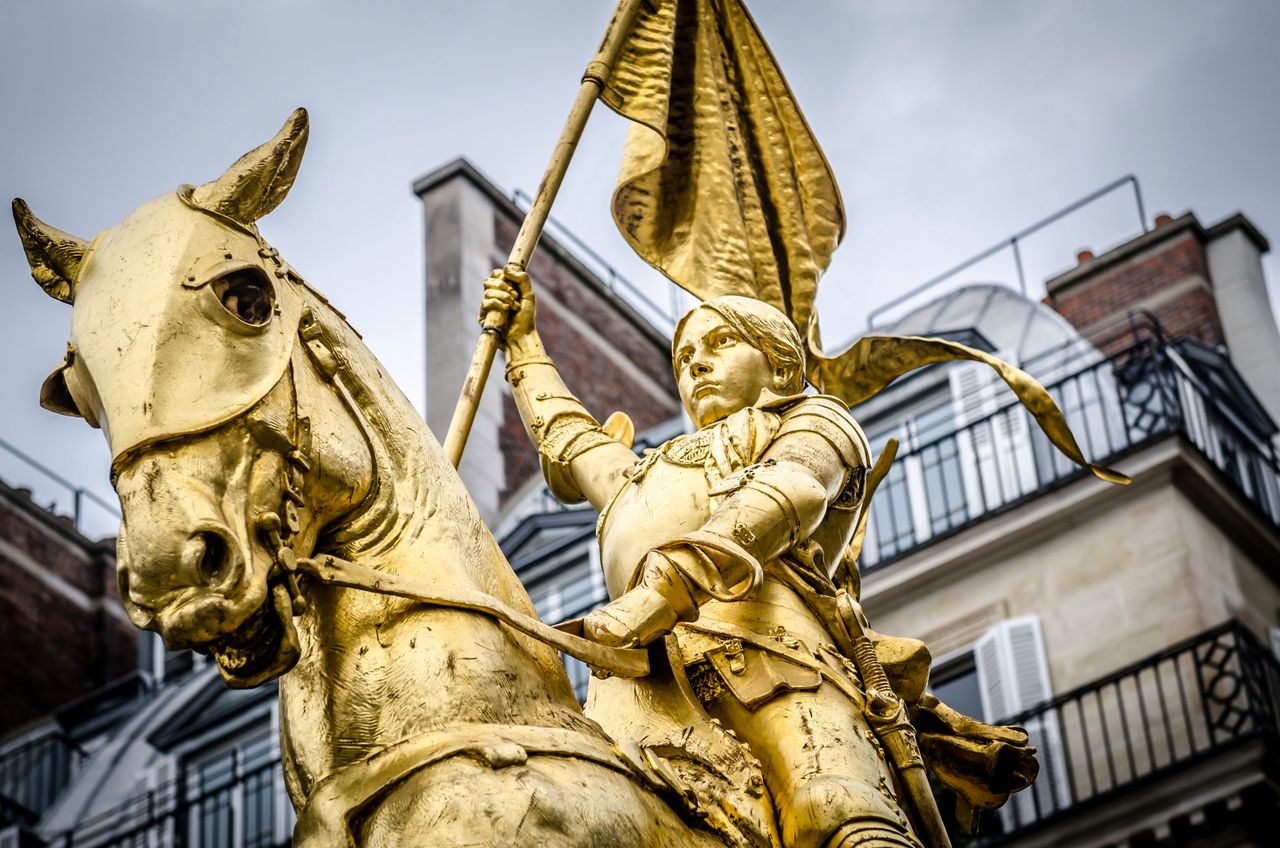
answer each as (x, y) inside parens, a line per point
(724, 189)
(723, 186)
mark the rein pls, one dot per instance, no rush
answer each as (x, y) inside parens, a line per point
(620, 662)
(280, 529)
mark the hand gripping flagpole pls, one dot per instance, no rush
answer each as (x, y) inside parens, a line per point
(594, 80)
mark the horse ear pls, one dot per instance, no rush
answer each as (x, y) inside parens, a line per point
(55, 396)
(55, 256)
(260, 179)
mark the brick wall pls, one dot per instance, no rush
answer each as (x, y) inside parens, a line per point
(1164, 272)
(602, 384)
(60, 638)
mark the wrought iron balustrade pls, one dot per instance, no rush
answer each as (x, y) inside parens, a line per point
(1114, 405)
(243, 806)
(1169, 712)
(34, 773)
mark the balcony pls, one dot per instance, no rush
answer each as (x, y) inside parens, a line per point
(1213, 699)
(33, 775)
(1115, 405)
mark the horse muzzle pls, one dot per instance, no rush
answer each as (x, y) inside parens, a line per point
(201, 594)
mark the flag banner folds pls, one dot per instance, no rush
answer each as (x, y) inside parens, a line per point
(723, 186)
(724, 189)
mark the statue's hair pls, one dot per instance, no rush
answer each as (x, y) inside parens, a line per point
(763, 326)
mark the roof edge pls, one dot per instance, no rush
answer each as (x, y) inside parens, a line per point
(1185, 223)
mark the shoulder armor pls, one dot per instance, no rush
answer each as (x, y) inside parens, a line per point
(829, 418)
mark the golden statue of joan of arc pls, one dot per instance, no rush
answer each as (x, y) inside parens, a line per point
(722, 538)
(734, 547)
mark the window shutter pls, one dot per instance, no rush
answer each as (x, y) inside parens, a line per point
(1013, 676)
(1012, 669)
(161, 778)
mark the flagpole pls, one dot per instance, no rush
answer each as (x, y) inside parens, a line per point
(593, 82)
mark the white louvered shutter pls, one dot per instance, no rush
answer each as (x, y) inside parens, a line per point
(1013, 676)
(161, 781)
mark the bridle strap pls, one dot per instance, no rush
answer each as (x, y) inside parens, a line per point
(567, 638)
(619, 662)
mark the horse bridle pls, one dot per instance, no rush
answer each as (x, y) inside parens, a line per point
(280, 529)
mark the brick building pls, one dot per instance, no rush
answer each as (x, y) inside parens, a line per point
(61, 623)
(607, 349)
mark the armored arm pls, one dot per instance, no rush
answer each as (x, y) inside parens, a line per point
(767, 508)
(579, 460)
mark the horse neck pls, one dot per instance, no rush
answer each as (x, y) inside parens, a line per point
(418, 517)
(376, 670)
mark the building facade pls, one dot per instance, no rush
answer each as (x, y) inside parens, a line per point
(1128, 629)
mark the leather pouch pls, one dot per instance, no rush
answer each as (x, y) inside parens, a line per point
(754, 676)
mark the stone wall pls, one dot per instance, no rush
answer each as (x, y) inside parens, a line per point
(1115, 574)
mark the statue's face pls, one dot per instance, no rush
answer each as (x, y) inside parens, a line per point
(718, 371)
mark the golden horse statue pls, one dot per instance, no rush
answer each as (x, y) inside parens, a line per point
(266, 464)
(286, 510)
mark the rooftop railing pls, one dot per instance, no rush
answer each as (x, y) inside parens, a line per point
(1171, 711)
(90, 514)
(1001, 459)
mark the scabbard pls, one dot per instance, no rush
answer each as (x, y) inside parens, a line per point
(886, 714)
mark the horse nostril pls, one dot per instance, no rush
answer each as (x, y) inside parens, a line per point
(215, 559)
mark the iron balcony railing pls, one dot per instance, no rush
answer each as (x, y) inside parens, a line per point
(34, 773)
(244, 805)
(1114, 405)
(1169, 712)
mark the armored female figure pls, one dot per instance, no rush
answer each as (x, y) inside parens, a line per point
(724, 541)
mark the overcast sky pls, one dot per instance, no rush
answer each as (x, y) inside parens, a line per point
(949, 125)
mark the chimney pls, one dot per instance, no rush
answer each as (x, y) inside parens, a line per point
(1164, 272)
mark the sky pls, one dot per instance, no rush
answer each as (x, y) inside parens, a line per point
(949, 124)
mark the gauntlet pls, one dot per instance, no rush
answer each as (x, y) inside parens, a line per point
(558, 424)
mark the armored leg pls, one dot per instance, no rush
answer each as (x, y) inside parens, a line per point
(828, 778)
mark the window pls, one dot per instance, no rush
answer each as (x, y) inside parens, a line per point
(238, 798)
(1013, 674)
(955, 682)
(923, 493)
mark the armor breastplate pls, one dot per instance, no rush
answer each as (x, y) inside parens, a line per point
(662, 501)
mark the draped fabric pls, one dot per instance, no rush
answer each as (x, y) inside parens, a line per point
(724, 189)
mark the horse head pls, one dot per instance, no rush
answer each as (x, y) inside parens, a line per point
(183, 328)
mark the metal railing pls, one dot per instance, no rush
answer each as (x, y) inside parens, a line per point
(1013, 244)
(246, 807)
(1113, 405)
(34, 773)
(1197, 699)
(77, 497)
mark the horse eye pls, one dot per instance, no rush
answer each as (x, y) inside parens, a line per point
(247, 294)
